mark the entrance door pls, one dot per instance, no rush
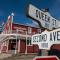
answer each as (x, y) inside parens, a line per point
(12, 46)
(22, 46)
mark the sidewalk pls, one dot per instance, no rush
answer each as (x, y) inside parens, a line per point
(18, 57)
(4, 55)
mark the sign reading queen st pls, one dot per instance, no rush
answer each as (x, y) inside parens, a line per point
(45, 19)
(46, 39)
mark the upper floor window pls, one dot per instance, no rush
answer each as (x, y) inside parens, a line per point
(29, 30)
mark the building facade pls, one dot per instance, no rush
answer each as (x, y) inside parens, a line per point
(21, 41)
(16, 38)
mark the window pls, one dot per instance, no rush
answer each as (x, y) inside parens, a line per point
(29, 30)
(29, 42)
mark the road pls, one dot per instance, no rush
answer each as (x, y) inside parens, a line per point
(22, 57)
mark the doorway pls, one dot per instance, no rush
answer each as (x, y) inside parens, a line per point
(12, 45)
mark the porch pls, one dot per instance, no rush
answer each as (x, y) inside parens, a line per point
(17, 43)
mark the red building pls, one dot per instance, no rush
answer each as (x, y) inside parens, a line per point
(20, 43)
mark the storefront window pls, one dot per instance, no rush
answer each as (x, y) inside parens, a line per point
(29, 42)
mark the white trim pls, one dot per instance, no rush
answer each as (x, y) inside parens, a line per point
(30, 45)
(19, 46)
(7, 45)
(3, 36)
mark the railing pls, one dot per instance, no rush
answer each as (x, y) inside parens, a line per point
(22, 32)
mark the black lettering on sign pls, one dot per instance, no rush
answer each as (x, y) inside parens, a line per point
(45, 37)
(40, 38)
(50, 36)
(58, 35)
(38, 15)
(34, 38)
(54, 36)
(42, 16)
(53, 22)
(45, 17)
(49, 19)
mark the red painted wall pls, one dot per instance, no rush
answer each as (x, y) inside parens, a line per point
(24, 28)
(36, 48)
(22, 46)
(33, 49)
(56, 46)
(4, 47)
(30, 49)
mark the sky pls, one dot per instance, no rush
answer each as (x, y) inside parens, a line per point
(18, 7)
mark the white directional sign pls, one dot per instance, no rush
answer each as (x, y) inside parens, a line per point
(45, 19)
(46, 39)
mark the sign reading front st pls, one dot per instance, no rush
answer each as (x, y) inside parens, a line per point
(45, 19)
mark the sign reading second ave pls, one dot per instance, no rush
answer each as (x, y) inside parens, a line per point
(46, 39)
